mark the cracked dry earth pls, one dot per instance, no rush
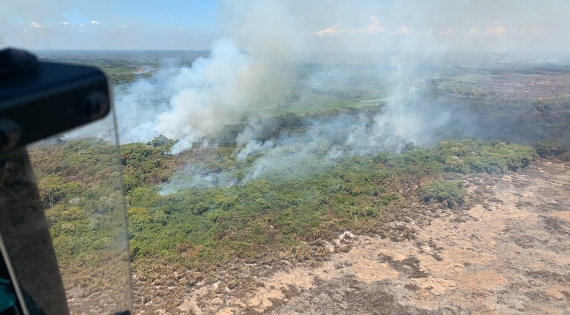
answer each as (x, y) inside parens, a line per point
(508, 254)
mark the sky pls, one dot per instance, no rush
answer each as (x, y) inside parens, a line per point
(104, 24)
(332, 25)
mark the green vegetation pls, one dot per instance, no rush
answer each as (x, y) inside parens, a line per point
(444, 191)
(556, 148)
(80, 185)
(295, 207)
(261, 221)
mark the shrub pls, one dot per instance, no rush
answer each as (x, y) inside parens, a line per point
(450, 192)
(550, 148)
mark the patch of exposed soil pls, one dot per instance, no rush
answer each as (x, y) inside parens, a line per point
(508, 254)
(516, 85)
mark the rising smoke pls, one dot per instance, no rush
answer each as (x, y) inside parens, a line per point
(264, 58)
(255, 68)
(258, 64)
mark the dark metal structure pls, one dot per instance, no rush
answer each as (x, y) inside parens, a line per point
(39, 100)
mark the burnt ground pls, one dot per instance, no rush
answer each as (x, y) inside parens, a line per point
(531, 85)
(509, 253)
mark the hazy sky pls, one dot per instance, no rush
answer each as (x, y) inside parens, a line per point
(355, 25)
(109, 24)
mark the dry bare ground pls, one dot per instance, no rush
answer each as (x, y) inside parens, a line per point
(508, 254)
(515, 85)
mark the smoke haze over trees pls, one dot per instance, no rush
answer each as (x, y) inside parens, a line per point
(266, 62)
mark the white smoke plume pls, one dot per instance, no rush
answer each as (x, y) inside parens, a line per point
(256, 65)
(193, 104)
(189, 104)
(215, 91)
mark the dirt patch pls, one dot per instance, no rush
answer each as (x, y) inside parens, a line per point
(564, 215)
(510, 84)
(409, 267)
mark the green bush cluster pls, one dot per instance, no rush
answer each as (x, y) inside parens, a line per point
(280, 212)
(469, 156)
(259, 220)
(551, 148)
(449, 192)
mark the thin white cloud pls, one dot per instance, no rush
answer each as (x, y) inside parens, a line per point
(532, 31)
(63, 23)
(472, 31)
(496, 30)
(373, 28)
(125, 26)
(82, 25)
(334, 30)
(37, 25)
(95, 22)
(447, 32)
(403, 30)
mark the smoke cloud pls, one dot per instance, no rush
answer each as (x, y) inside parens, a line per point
(267, 60)
(254, 68)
